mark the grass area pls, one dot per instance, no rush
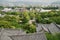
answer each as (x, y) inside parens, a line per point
(53, 37)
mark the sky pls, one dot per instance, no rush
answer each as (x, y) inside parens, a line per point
(31, 0)
(20, 1)
(40, 0)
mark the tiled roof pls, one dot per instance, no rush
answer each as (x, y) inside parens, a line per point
(9, 32)
(52, 28)
(34, 36)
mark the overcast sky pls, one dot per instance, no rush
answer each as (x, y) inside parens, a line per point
(14, 2)
(40, 0)
(31, 0)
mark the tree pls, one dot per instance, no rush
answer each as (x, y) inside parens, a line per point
(25, 17)
(32, 15)
(38, 18)
(5, 24)
(9, 18)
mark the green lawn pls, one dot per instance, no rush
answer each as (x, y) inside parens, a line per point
(53, 37)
